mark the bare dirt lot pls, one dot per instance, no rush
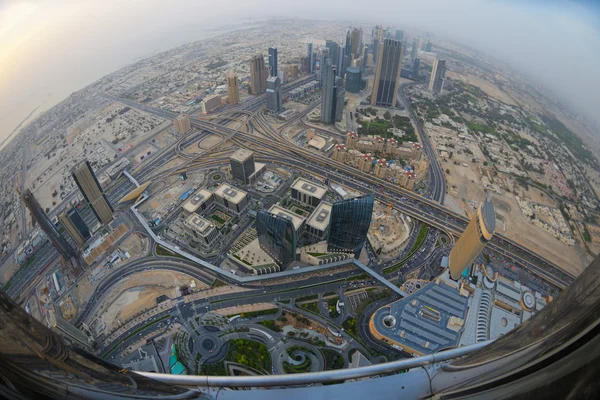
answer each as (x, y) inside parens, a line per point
(485, 85)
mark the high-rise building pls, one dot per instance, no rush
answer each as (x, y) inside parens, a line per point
(476, 235)
(210, 103)
(438, 71)
(40, 217)
(233, 89)
(348, 45)
(349, 224)
(353, 80)
(305, 64)
(376, 45)
(414, 53)
(277, 237)
(332, 96)
(182, 124)
(415, 68)
(399, 34)
(311, 56)
(89, 186)
(274, 94)
(242, 165)
(356, 42)
(75, 226)
(258, 76)
(273, 61)
(333, 50)
(428, 46)
(387, 75)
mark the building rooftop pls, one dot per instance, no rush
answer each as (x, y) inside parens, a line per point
(199, 224)
(282, 212)
(196, 200)
(230, 193)
(241, 155)
(310, 188)
(319, 219)
(488, 215)
(423, 322)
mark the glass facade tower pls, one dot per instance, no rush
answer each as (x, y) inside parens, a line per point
(349, 224)
(277, 237)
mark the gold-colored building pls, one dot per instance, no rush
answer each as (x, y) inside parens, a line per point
(258, 75)
(89, 186)
(387, 74)
(479, 231)
(182, 124)
(233, 89)
(71, 229)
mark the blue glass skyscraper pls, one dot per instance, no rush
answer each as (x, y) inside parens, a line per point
(277, 237)
(273, 61)
(349, 224)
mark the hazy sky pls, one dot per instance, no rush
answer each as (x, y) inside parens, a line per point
(50, 48)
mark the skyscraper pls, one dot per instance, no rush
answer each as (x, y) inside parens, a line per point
(182, 124)
(477, 234)
(273, 94)
(376, 45)
(399, 34)
(258, 76)
(349, 224)
(242, 165)
(310, 54)
(438, 71)
(356, 42)
(273, 61)
(415, 49)
(428, 46)
(332, 96)
(387, 75)
(333, 49)
(38, 214)
(233, 89)
(415, 68)
(277, 237)
(75, 226)
(89, 186)
(348, 45)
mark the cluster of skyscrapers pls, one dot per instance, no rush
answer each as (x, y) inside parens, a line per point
(71, 220)
(346, 232)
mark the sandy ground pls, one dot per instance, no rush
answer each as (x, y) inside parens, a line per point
(245, 308)
(8, 269)
(210, 141)
(139, 292)
(485, 85)
(135, 245)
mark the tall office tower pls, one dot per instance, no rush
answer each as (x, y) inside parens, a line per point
(333, 50)
(376, 46)
(274, 94)
(242, 165)
(258, 76)
(273, 61)
(182, 124)
(387, 76)
(89, 186)
(233, 89)
(340, 62)
(365, 55)
(415, 68)
(277, 237)
(322, 59)
(438, 71)
(356, 42)
(399, 34)
(75, 226)
(305, 65)
(349, 224)
(38, 214)
(339, 91)
(310, 55)
(477, 234)
(414, 53)
(348, 45)
(428, 46)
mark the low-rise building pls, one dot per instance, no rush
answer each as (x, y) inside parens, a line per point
(308, 192)
(200, 200)
(202, 229)
(232, 198)
(317, 223)
(210, 103)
